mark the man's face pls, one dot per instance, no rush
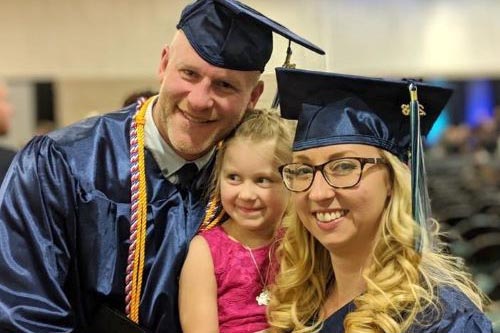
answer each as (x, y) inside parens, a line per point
(5, 111)
(199, 104)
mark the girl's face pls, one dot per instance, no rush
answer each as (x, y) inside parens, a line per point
(343, 218)
(252, 192)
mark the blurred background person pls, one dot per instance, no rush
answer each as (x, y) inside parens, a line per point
(134, 96)
(6, 113)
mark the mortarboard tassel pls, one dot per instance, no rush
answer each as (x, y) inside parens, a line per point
(286, 64)
(420, 197)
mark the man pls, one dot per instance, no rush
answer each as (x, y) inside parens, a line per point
(6, 111)
(93, 225)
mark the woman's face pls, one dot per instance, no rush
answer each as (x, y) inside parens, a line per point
(343, 218)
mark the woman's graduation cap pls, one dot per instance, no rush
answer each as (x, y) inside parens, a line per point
(338, 109)
(229, 34)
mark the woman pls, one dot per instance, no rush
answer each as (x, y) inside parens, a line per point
(353, 259)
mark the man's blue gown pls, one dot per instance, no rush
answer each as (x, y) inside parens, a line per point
(64, 230)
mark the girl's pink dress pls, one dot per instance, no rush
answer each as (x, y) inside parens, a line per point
(238, 282)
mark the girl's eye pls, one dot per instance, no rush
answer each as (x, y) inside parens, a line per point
(233, 177)
(264, 180)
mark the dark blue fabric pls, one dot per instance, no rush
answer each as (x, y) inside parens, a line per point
(458, 315)
(335, 109)
(64, 229)
(6, 157)
(318, 127)
(229, 34)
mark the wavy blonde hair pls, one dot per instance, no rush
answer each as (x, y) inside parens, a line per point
(400, 282)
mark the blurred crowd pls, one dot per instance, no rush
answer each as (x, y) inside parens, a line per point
(6, 113)
(466, 162)
(463, 174)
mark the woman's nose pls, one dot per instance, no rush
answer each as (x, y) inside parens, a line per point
(320, 189)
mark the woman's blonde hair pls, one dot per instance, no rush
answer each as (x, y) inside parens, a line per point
(400, 282)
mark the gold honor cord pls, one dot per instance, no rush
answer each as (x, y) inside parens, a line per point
(139, 201)
(213, 212)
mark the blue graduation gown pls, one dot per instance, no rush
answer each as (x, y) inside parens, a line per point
(64, 230)
(458, 314)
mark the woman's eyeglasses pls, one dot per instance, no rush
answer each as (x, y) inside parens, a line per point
(340, 173)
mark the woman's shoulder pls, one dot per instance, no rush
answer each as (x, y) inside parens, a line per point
(455, 313)
(455, 300)
(454, 303)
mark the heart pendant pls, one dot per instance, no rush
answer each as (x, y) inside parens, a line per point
(263, 298)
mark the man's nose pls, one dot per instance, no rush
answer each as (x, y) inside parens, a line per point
(200, 97)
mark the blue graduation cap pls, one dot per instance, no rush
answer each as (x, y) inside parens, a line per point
(229, 34)
(334, 109)
(338, 109)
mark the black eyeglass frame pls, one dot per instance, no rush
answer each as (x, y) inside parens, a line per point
(362, 160)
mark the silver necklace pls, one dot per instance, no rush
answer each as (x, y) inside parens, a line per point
(263, 298)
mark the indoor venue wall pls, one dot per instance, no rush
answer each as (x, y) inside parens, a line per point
(95, 53)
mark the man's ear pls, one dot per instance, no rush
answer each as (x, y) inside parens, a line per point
(165, 52)
(255, 95)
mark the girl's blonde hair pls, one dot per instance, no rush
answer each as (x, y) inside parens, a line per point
(400, 282)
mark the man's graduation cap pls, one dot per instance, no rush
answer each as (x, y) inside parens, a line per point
(340, 109)
(229, 34)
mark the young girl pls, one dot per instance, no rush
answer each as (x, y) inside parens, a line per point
(224, 281)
